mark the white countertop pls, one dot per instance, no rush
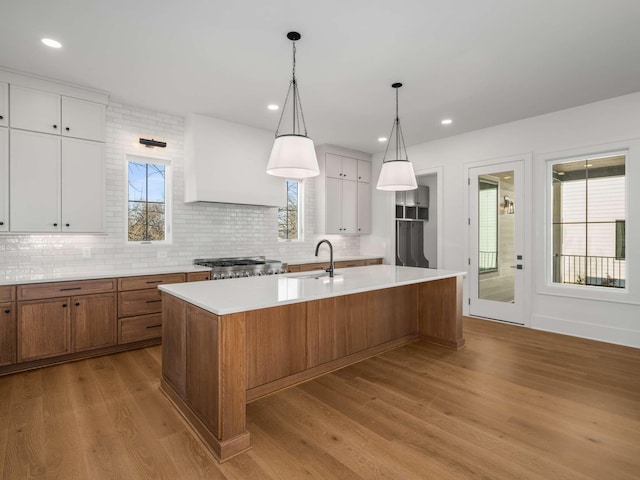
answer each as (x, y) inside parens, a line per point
(43, 276)
(224, 297)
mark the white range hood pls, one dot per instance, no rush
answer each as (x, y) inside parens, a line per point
(226, 162)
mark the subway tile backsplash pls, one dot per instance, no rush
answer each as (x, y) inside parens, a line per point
(198, 229)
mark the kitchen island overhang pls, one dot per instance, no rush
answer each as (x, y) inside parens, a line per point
(228, 343)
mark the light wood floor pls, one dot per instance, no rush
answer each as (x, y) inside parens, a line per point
(514, 404)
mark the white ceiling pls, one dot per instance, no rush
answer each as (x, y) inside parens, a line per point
(480, 62)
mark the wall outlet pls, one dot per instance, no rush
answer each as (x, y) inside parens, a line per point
(86, 252)
(162, 254)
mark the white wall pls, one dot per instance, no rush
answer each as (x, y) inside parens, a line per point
(199, 229)
(589, 127)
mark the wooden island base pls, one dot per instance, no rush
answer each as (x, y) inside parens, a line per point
(212, 365)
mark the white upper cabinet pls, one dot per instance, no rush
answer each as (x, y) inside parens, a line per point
(364, 171)
(35, 182)
(34, 110)
(46, 112)
(343, 191)
(4, 179)
(82, 186)
(83, 119)
(4, 104)
(341, 167)
(364, 208)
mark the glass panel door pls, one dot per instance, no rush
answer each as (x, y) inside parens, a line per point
(496, 261)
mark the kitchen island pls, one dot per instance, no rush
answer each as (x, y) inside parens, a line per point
(227, 343)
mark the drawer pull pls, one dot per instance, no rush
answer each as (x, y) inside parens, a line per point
(7, 310)
(154, 326)
(70, 288)
(154, 281)
(154, 301)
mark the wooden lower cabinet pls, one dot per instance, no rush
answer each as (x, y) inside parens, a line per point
(7, 333)
(93, 321)
(43, 329)
(309, 267)
(134, 329)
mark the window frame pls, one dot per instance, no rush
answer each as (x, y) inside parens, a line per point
(495, 185)
(544, 234)
(301, 187)
(137, 158)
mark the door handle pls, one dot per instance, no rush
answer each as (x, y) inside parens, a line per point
(518, 267)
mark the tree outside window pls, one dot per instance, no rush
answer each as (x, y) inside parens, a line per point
(146, 201)
(289, 217)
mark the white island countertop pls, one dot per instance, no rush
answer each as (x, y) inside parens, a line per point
(223, 297)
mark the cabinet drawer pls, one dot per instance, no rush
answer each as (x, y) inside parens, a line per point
(198, 276)
(373, 261)
(350, 263)
(139, 302)
(36, 291)
(139, 328)
(7, 293)
(149, 281)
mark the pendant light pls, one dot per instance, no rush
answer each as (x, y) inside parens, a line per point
(397, 174)
(293, 154)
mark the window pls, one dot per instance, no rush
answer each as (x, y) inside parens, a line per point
(289, 220)
(588, 221)
(487, 225)
(147, 207)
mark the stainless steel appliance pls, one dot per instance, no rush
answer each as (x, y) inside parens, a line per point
(237, 267)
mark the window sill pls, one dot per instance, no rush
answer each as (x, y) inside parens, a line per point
(600, 294)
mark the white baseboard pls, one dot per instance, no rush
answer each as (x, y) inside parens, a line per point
(602, 333)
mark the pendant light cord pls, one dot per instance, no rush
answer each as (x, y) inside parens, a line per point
(297, 112)
(399, 136)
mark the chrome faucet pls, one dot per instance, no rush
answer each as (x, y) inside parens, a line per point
(330, 269)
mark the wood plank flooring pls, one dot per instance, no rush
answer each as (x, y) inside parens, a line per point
(514, 404)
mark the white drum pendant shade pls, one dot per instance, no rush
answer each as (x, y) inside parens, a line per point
(293, 156)
(397, 175)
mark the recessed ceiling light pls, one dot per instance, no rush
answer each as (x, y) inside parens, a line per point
(446, 121)
(49, 42)
(382, 139)
(273, 106)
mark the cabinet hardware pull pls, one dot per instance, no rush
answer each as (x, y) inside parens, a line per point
(1, 117)
(70, 288)
(55, 224)
(64, 305)
(154, 301)
(1, 223)
(67, 129)
(154, 281)
(55, 126)
(77, 304)
(66, 225)
(7, 310)
(154, 326)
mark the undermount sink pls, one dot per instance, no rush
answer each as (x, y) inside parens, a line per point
(316, 275)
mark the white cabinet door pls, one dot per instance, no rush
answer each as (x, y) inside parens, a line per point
(35, 182)
(4, 105)
(349, 207)
(334, 205)
(83, 119)
(364, 208)
(34, 110)
(82, 186)
(364, 171)
(4, 179)
(349, 168)
(333, 165)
